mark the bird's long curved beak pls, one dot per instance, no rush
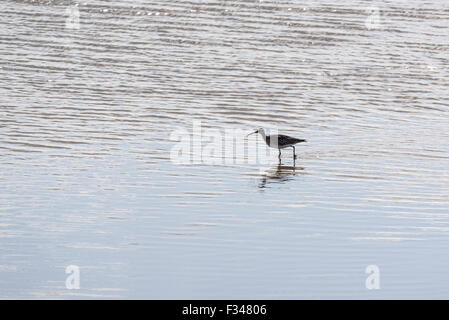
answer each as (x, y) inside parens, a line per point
(251, 133)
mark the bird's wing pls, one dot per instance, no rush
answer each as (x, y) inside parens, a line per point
(283, 139)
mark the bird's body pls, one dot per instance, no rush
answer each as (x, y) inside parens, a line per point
(279, 141)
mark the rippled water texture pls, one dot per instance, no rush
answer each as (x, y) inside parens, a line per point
(91, 93)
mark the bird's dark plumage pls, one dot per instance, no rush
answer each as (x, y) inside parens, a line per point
(282, 141)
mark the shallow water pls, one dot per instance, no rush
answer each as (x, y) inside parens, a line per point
(88, 108)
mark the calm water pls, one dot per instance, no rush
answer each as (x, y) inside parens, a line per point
(91, 94)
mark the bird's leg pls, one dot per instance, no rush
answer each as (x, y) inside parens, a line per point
(279, 153)
(294, 153)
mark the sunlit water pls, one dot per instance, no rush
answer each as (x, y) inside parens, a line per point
(88, 106)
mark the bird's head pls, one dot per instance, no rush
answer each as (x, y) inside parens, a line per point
(260, 130)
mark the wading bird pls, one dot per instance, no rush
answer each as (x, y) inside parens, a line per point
(279, 141)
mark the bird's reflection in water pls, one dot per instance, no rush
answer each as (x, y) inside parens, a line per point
(280, 174)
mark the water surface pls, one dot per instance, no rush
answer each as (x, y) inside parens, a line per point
(87, 111)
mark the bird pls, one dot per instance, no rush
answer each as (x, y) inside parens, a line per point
(278, 141)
